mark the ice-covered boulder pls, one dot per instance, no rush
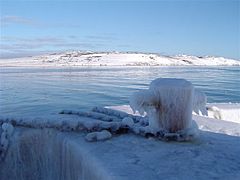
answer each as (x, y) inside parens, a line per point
(168, 104)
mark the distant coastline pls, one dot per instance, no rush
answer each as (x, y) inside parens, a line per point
(114, 58)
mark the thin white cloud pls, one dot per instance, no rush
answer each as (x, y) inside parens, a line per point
(7, 20)
(101, 37)
(47, 39)
(15, 45)
(12, 42)
(12, 45)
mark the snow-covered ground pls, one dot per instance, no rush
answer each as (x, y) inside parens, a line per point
(78, 58)
(224, 111)
(37, 145)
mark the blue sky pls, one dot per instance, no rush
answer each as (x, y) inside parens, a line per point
(167, 27)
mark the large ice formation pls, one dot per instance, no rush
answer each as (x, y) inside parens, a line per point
(168, 104)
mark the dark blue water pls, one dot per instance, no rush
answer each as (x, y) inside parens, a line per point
(38, 91)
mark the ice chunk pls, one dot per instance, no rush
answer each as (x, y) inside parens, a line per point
(141, 100)
(127, 121)
(215, 112)
(98, 136)
(199, 103)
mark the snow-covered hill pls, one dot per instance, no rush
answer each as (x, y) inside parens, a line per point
(78, 58)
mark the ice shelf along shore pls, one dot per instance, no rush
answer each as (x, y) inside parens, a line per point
(173, 133)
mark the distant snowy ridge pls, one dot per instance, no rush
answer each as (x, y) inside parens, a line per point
(79, 58)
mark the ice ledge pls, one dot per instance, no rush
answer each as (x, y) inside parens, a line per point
(49, 154)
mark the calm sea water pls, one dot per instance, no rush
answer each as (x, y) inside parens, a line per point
(39, 91)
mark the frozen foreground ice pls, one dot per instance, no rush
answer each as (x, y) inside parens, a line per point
(56, 148)
(114, 143)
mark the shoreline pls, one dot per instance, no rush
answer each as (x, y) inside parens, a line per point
(111, 59)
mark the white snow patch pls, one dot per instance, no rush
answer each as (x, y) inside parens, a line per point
(224, 111)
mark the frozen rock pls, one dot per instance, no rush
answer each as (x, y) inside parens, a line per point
(98, 136)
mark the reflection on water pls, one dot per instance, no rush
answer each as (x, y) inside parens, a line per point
(39, 91)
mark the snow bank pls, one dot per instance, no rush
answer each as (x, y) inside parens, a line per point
(224, 111)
